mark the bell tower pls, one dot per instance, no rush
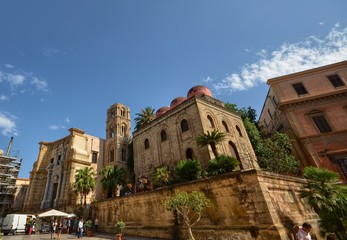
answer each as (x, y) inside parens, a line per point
(118, 133)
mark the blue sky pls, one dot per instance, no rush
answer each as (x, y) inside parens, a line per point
(63, 63)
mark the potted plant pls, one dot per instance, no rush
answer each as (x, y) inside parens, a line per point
(89, 225)
(120, 225)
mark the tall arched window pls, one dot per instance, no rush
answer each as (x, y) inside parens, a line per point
(123, 130)
(225, 126)
(146, 143)
(111, 131)
(124, 153)
(210, 121)
(111, 155)
(184, 125)
(239, 131)
(163, 136)
(189, 153)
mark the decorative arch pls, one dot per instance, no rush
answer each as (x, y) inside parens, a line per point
(239, 131)
(225, 125)
(210, 121)
(184, 125)
(146, 143)
(233, 150)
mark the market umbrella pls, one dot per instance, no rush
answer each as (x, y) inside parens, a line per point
(53, 213)
(71, 215)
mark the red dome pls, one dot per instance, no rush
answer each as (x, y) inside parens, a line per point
(198, 91)
(177, 101)
(161, 111)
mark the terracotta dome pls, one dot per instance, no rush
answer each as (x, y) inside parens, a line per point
(198, 91)
(177, 101)
(161, 111)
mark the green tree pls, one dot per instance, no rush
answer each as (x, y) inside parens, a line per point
(145, 116)
(213, 139)
(85, 182)
(221, 164)
(187, 170)
(189, 206)
(111, 177)
(161, 177)
(328, 198)
(275, 155)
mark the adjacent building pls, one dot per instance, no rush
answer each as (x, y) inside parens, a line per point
(311, 107)
(54, 171)
(9, 169)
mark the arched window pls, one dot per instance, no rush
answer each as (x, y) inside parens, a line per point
(210, 121)
(124, 154)
(123, 130)
(122, 112)
(112, 113)
(189, 153)
(184, 125)
(225, 126)
(163, 136)
(111, 155)
(111, 135)
(233, 150)
(146, 143)
(239, 131)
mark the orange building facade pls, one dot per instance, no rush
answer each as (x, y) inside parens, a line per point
(311, 108)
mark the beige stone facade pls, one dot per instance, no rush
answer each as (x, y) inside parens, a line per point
(22, 185)
(171, 136)
(54, 171)
(311, 107)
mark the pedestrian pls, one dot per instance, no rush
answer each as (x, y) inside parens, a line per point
(75, 226)
(80, 228)
(96, 224)
(60, 228)
(68, 225)
(304, 232)
(54, 225)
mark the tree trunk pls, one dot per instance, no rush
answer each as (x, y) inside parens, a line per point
(190, 234)
(214, 150)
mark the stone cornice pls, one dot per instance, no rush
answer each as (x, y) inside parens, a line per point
(341, 94)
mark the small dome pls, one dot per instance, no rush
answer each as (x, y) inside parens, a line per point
(161, 111)
(198, 91)
(177, 101)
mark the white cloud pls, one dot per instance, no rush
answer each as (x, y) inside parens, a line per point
(289, 58)
(4, 98)
(67, 120)
(8, 124)
(207, 80)
(40, 84)
(8, 65)
(49, 51)
(54, 127)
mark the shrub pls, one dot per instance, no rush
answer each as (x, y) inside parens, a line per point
(221, 164)
(187, 170)
(161, 177)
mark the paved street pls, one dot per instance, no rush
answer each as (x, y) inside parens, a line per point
(97, 236)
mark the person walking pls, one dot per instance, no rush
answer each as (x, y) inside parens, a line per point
(96, 224)
(304, 232)
(80, 228)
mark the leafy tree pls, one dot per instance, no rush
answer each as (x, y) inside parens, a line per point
(111, 177)
(213, 139)
(275, 155)
(161, 177)
(130, 161)
(221, 164)
(328, 198)
(145, 116)
(187, 170)
(189, 206)
(85, 182)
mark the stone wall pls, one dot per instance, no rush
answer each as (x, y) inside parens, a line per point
(246, 205)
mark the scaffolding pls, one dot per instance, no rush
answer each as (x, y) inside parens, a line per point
(9, 169)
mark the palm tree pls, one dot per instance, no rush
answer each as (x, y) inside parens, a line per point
(111, 177)
(145, 116)
(85, 182)
(328, 198)
(213, 139)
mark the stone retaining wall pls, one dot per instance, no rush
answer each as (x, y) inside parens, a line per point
(246, 205)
